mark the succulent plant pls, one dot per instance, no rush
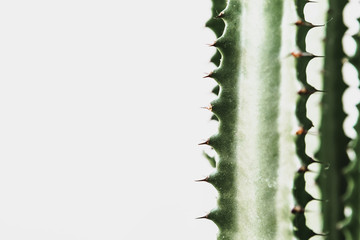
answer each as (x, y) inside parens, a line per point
(261, 162)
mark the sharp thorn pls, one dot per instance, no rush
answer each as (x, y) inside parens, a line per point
(221, 15)
(203, 217)
(321, 25)
(208, 107)
(205, 143)
(208, 75)
(212, 44)
(301, 131)
(297, 209)
(303, 169)
(305, 23)
(305, 91)
(202, 180)
(296, 54)
(302, 54)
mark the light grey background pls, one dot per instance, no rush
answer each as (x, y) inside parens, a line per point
(100, 120)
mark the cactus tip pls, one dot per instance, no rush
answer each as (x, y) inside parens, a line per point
(220, 15)
(208, 75)
(303, 169)
(299, 54)
(203, 217)
(301, 131)
(208, 107)
(296, 54)
(207, 142)
(305, 91)
(297, 209)
(212, 44)
(203, 180)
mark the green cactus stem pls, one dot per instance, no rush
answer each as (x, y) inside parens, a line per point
(352, 199)
(255, 142)
(302, 197)
(351, 229)
(334, 143)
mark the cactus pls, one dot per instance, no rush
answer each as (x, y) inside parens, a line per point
(260, 168)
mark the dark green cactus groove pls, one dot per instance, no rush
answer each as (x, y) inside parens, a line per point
(334, 143)
(261, 161)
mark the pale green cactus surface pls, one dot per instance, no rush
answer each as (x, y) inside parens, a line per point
(263, 90)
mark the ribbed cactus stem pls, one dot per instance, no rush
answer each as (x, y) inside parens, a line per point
(334, 143)
(352, 200)
(255, 142)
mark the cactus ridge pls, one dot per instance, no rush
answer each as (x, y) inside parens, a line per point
(301, 196)
(234, 216)
(332, 181)
(352, 173)
(222, 108)
(216, 25)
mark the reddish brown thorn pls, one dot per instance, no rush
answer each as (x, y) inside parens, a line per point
(208, 107)
(302, 54)
(205, 143)
(301, 131)
(203, 217)
(203, 180)
(303, 23)
(305, 91)
(297, 209)
(297, 54)
(299, 23)
(220, 15)
(212, 44)
(303, 169)
(208, 75)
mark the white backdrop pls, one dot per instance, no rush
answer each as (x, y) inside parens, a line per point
(100, 119)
